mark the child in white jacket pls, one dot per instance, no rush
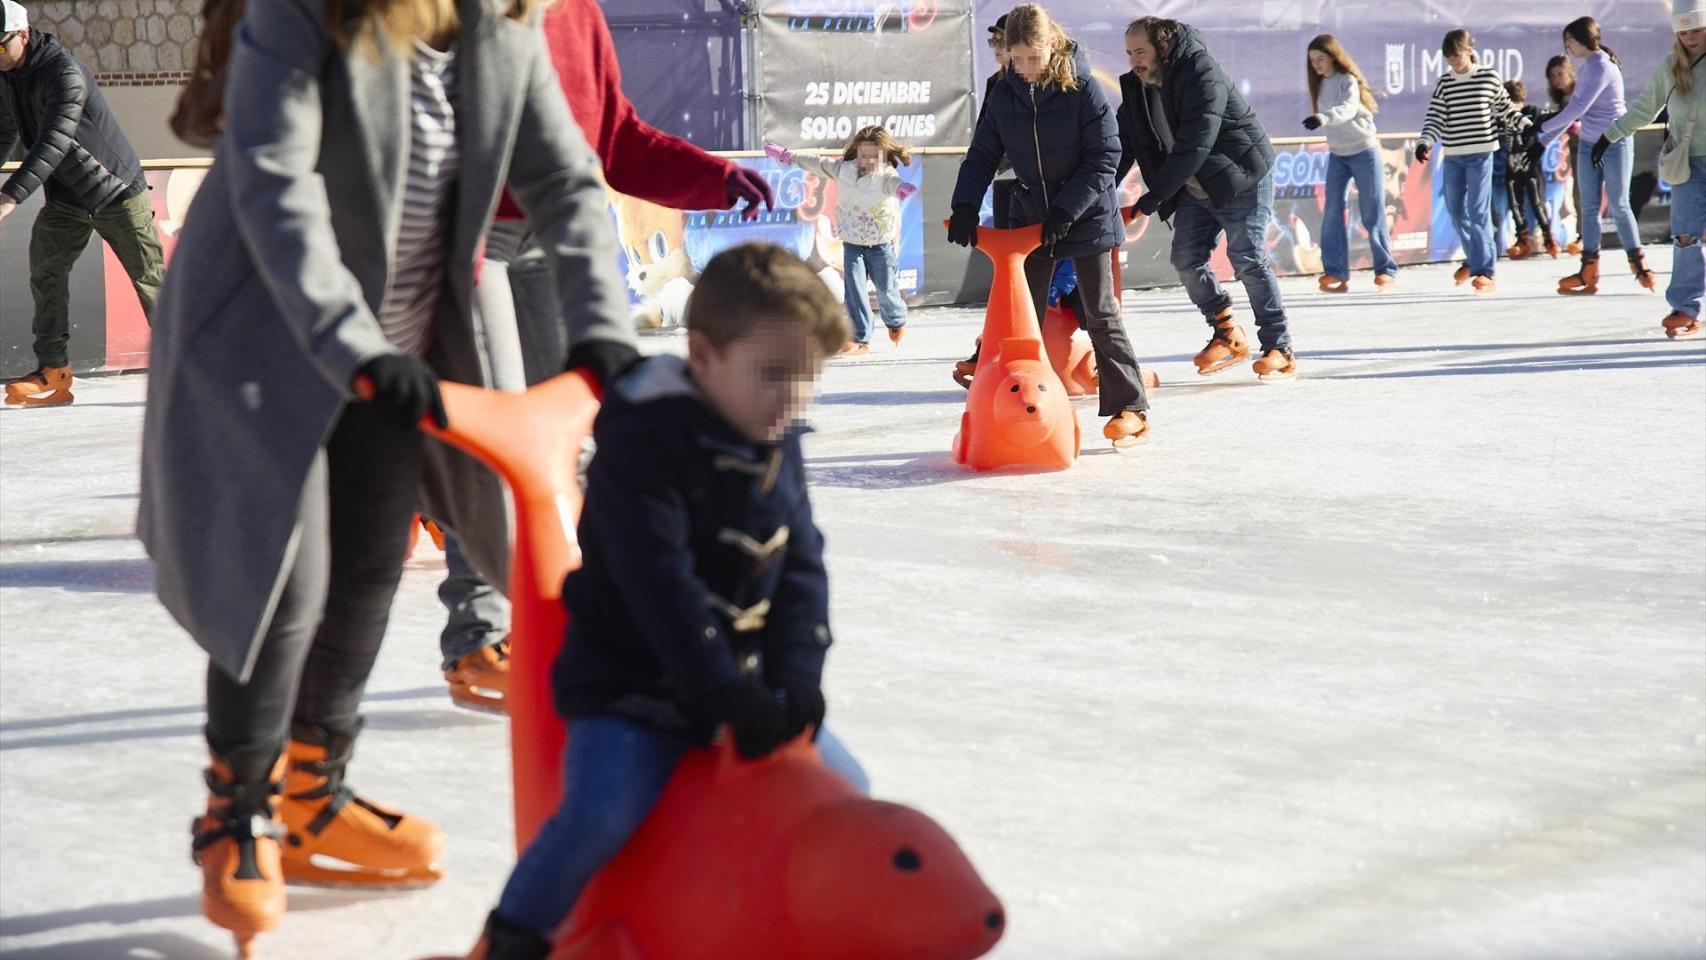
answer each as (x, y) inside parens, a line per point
(867, 214)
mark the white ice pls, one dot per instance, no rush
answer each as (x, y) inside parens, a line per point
(1404, 659)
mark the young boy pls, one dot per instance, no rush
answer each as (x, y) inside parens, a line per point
(1467, 115)
(1525, 179)
(702, 600)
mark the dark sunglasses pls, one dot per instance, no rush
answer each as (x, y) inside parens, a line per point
(9, 37)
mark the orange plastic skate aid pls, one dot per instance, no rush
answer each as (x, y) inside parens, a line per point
(1017, 412)
(779, 858)
(533, 441)
(782, 859)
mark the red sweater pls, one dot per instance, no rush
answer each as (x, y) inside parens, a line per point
(639, 160)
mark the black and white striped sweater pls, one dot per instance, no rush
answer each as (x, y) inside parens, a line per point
(1469, 112)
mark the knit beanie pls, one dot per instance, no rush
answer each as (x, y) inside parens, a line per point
(1688, 14)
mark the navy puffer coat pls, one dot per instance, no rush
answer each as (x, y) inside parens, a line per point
(1064, 146)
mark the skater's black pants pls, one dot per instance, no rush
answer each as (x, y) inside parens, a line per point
(1527, 188)
(319, 648)
(1116, 362)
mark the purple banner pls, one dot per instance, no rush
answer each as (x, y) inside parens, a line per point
(1261, 43)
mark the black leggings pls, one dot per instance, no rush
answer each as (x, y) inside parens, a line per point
(1116, 362)
(319, 648)
(1528, 189)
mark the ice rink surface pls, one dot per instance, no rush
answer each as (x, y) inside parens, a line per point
(1405, 659)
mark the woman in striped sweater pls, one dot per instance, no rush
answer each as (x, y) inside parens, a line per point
(1469, 111)
(1596, 103)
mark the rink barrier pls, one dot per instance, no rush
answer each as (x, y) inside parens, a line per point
(108, 332)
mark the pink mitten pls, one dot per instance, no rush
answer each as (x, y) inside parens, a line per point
(905, 190)
(778, 153)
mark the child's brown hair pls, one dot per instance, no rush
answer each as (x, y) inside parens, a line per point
(1517, 91)
(1456, 42)
(894, 154)
(763, 281)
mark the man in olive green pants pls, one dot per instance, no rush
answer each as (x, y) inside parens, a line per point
(93, 183)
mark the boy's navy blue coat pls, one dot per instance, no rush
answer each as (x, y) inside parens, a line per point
(1064, 146)
(1217, 137)
(701, 561)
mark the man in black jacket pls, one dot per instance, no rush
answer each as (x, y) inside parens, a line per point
(94, 183)
(1207, 166)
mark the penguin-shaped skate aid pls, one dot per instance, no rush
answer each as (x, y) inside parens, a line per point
(778, 858)
(1017, 413)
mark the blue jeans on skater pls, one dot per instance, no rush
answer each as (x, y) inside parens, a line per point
(1501, 202)
(614, 770)
(882, 262)
(1687, 226)
(1197, 227)
(1367, 171)
(479, 614)
(1614, 180)
(1469, 197)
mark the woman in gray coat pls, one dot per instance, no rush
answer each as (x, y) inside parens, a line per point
(363, 149)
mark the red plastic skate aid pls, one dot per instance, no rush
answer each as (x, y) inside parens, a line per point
(779, 858)
(1017, 412)
(533, 441)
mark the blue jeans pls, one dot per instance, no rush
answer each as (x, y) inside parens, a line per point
(479, 614)
(1687, 227)
(1196, 232)
(614, 770)
(883, 263)
(1468, 191)
(1366, 169)
(1614, 180)
(1501, 198)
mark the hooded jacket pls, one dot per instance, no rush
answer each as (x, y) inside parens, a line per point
(1217, 138)
(1064, 146)
(74, 145)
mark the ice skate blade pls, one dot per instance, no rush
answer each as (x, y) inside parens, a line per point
(474, 700)
(39, 400)
(1278, 377)
(1681, 334)
(245, 945)
(1219, 368)
(1125, 443)
(1587, 292)
(354, 878)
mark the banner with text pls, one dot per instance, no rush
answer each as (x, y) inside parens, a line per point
(830, 67)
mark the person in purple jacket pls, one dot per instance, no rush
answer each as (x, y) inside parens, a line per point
(1597, 102)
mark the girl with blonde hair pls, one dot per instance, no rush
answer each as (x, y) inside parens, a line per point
(867, 218)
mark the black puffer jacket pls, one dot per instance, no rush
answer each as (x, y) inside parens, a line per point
(74, 143)
(1217, 138)
(1064, 145)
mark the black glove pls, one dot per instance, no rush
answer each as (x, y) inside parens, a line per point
(1056, 226)
(1535, 151)
(962, 227)
(802, 704)
(404, 389)
(1312, 122)
(754, 716)
(1599, 147)
(604, 359)
(1422, 151)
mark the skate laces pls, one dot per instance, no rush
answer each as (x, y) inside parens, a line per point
(247, 816)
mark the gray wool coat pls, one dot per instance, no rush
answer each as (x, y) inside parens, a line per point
(269, 306)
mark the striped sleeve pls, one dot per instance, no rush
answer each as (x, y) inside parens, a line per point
(1434, 126)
